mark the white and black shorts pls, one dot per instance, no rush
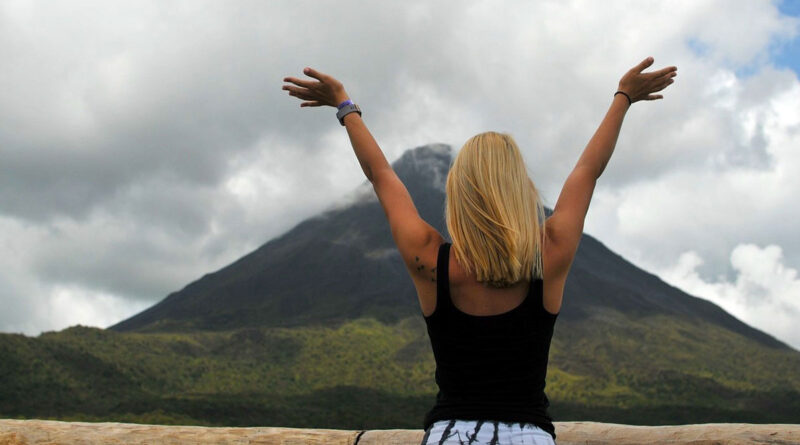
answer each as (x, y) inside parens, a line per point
(485, 432)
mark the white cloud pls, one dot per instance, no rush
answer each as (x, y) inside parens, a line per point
(711, 202)
(71, 305)
(765, 293)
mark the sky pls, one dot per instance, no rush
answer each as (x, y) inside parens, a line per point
(144, 144)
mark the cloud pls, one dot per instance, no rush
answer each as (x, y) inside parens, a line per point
(144, 145)
(68, 306)
(765, 293)
(710, 200)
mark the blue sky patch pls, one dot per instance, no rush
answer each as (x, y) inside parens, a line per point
(787, 53)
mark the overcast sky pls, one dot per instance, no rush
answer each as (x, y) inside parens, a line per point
(144, 144)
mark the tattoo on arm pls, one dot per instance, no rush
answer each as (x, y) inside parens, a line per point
(421, 267)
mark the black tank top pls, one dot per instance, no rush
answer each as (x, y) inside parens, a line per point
(490, 367)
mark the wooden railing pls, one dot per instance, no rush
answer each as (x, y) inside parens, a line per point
(30, 432)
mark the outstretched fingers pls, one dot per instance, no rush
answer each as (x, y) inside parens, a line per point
(661, 79)
(302, 93)
(643, 64)
(292, 89)
(641, 85)
(661, 84)
(299, 82)
(311, 72)
(664, 73)
(667, 70)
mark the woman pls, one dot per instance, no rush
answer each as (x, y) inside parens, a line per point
(490, 307)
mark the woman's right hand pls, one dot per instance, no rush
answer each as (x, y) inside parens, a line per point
(641, 86)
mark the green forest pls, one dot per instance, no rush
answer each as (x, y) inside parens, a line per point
(368, 374)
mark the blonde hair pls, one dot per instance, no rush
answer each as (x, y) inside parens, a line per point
(493, 211)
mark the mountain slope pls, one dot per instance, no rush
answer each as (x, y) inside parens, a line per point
(343, 265)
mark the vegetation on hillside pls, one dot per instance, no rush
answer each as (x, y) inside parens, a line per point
(367, 374)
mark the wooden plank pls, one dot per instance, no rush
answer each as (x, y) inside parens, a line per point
(47, 432)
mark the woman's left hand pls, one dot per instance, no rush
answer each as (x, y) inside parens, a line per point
(326, 91)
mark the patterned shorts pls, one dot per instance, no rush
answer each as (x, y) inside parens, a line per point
(485, 432)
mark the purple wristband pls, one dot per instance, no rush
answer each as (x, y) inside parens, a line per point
(344, 104)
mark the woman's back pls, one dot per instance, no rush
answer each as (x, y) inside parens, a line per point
(477, 298)
(473, 297)
(491, 366)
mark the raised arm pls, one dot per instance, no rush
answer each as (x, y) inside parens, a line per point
(565, 225)
(410, 232)
(327, 91)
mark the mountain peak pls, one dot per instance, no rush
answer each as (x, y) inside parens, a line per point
(427, 161)
(424, 166)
